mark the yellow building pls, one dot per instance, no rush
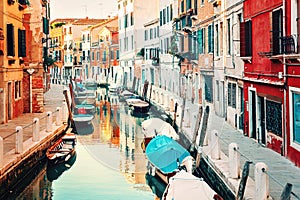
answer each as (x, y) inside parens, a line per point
(13, 50)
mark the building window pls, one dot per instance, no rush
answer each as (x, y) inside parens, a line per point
(125, 21)
(188, 5)
(160, 18)
(164, 16)
(201, 42)
(17, 89)
(228, 37)
(146, 35)
(98, 56)
(10, 40)
(232, 95)
(276, 31)
(131, 19)
(151, 33)
(182, 6)
(274, 117)
(118, 53)
(132, 43)
(217, 40)
(246, 39)
(104, 56)
(210, 39)
(21, 43)
(168, 14)
(171, 12)
(295, 116)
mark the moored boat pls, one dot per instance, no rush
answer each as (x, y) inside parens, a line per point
(156, 126)
(167, 157)
(62, 150)
(83, 124)
(140, 106)
(184, 185)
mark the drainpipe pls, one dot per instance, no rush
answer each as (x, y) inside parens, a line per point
(284, 153)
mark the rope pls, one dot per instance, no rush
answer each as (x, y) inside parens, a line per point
(10, 135)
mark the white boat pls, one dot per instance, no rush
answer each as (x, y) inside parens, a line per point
(184, 185)
(156, 126)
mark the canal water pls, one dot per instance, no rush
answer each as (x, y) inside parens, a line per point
(109, 162)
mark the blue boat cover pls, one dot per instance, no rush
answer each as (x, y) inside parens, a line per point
(163, 152)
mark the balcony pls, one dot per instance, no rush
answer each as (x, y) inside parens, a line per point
(288, 49)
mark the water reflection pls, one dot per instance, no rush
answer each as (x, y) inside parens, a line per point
(55, 171)
(110, 163)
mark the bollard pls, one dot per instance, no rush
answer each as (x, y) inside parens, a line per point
(49, 122)
(19, 139)
(36, 130)
(261, 181)
(58, 116)
(1, 152)
(215, 145)
(234, 161)
(64, 111)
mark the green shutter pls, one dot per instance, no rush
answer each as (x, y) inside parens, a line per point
(21, 43)
(45, 25)
(10, 40)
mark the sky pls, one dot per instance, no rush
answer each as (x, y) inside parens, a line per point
(82, 8)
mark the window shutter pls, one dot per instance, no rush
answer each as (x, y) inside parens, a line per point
(242, 40)
(200, 41)
(249, 38)
(21, 43)
(10, 40)
(45, 25)
(277, 30)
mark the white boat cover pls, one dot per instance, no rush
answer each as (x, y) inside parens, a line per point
(184, 185)
(156, 126)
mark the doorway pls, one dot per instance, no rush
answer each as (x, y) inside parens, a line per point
(261, 120)
(252, 114)
(9, 101)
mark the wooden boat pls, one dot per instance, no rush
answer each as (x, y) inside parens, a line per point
(62, 150)
(166, 157)
(53, 172)
(156, 126)
(184, 185)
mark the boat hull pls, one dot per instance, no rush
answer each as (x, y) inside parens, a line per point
(62, 150)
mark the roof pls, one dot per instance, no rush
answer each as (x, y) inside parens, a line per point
(79, 21)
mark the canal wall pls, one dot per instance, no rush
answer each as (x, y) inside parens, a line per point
(24, 140)
(17, 166)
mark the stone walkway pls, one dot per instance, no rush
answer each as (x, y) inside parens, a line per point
(280, 169)
(52, 99)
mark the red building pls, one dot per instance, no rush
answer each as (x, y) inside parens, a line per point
(264, 90)
(270, 50)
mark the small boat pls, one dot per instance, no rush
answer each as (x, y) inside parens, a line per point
(53, 172)
(156, 126)
(83, 124)
(167, 157)
(62, 150)
(139, 106)
(84, 109)
(184, 185)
